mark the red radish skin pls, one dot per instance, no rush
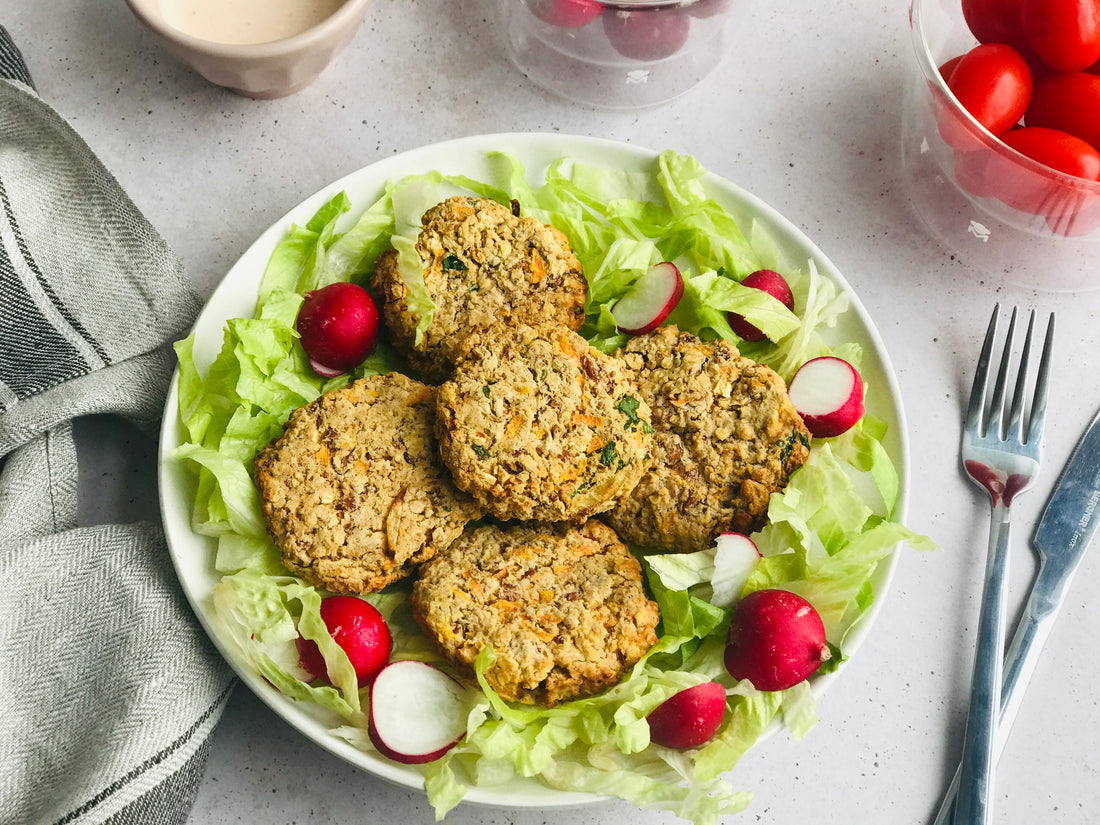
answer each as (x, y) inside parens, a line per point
(776, 639)
(771, 282)
(828, 394)
(338, 326)
(689, 718)
(359, 629)
(650, 299)
(417, 712)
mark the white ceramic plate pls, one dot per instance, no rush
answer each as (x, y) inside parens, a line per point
(235, 297)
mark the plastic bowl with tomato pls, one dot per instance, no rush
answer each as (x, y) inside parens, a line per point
(618, 54)
(1001, 134)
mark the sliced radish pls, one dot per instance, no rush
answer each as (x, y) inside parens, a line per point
(417, 712)
(649, 300)
(776, 639)
(735, 557)
(828, 394)
(689, 718)
(771, 282)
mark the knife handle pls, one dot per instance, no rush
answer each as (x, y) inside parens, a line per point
(1020, 660)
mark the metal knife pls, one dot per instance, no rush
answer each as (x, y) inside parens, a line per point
(1065, 530)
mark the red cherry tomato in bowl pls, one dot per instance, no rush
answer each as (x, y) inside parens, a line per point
(993, 83)
(569, 14)
(1056, 149)
(995, 21)
(1064, 34)
(1069, 102)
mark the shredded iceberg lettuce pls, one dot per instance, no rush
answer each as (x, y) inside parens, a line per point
(827, 531)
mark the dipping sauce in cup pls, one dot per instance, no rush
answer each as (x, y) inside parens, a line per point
(257, 48)
(246, 21)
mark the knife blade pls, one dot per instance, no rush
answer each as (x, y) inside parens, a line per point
(1066, 528)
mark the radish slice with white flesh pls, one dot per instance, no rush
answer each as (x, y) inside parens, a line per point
(417, 712)
(649, 300)
(828, 394)
(735, 557)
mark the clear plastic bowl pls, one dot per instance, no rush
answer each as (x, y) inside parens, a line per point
(999, 211)
(624, 54)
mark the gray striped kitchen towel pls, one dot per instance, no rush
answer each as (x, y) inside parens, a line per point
(110, 689)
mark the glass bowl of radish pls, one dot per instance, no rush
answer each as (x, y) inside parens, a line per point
(622, 55)
(1001, 137)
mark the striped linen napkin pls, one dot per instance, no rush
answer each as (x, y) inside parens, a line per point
(110, 689)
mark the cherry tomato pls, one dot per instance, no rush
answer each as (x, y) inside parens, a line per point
(993, 83)
(972, 172)
(569, 14)
(1065, 34)
(1070, 102)
(1058, 150)
(948, 68)
(707, 8)
(647, 34)
(995, 21)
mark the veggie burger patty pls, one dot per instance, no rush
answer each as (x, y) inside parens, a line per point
(726, 437)
(353, 491)
(535, 423)
(563, 607)
(481, 264)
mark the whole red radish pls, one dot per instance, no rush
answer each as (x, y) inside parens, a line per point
(776, 639)
(359, 629)
(828, 394)
(689, 718)
(338, 326)
(417, 712)
(647, 34)
(771, 282)
(649, 300)
(1064, 34)
(1069, 102)
(569, 14)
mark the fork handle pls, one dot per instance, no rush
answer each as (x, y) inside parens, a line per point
(1019, 664)
(975, 801)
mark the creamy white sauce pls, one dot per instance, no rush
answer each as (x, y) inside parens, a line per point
(246, 21)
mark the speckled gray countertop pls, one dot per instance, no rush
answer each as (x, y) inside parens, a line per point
(804, 111)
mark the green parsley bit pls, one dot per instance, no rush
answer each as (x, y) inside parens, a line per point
(610, 455)
(453, 262)
(480, 451)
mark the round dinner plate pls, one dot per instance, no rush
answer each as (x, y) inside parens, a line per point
(235, 297)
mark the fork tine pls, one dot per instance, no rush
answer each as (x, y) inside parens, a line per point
(993, 425)
(1015, 428)
(981, 376)
(1042, 379)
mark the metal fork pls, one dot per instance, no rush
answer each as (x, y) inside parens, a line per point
(1001, 456)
